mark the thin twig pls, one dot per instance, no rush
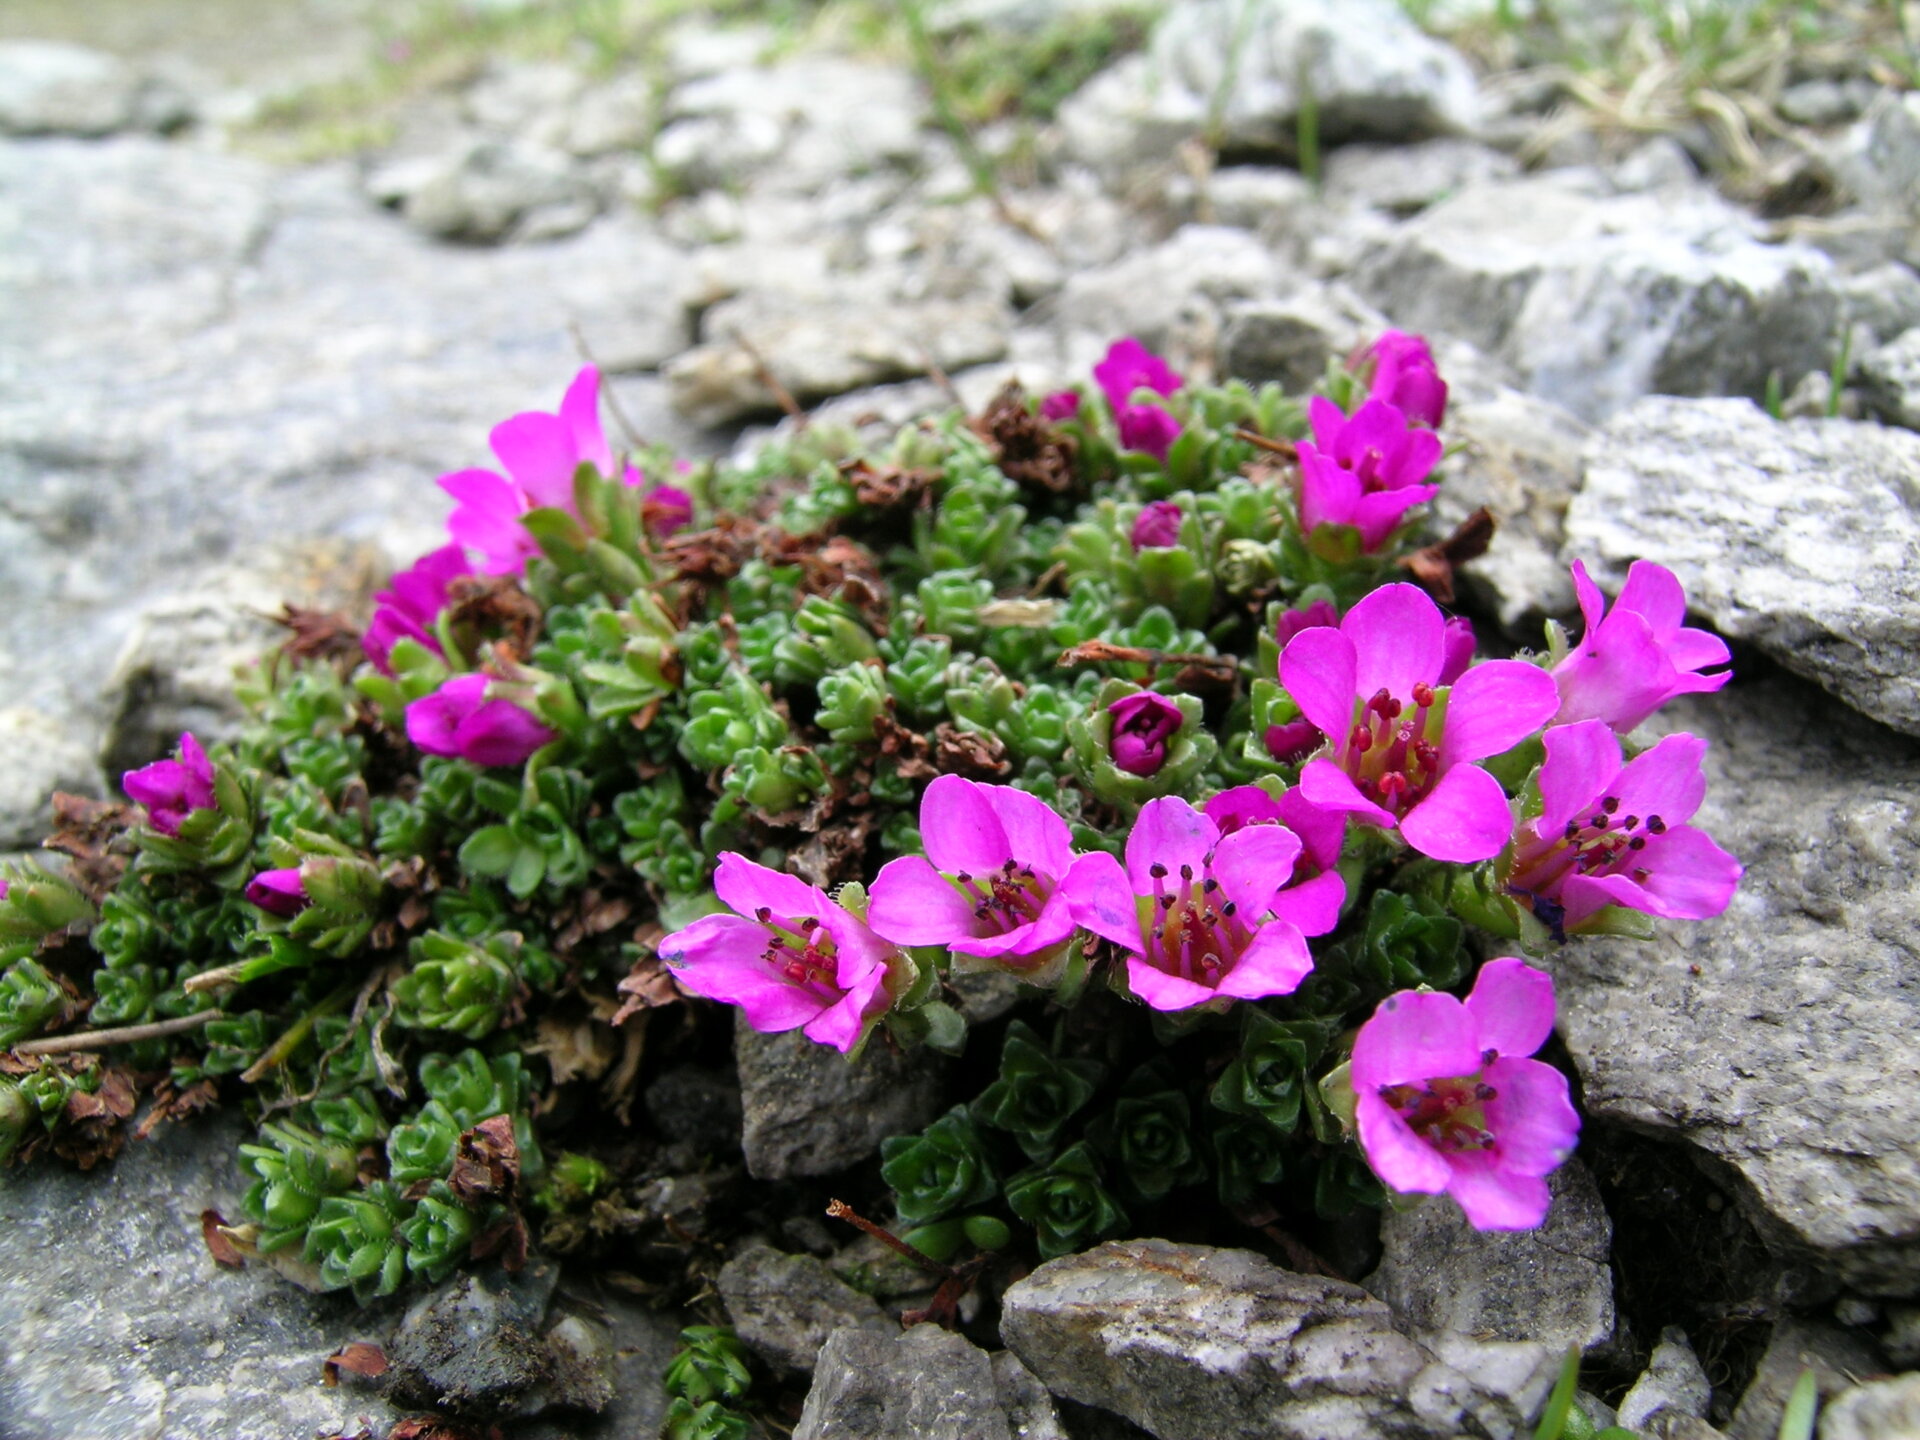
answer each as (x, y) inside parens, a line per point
(1272, 447)
(365, 998)
(124, 1035)
(763, 372)
(613, 401)
(840, 1210)
(277, 1053)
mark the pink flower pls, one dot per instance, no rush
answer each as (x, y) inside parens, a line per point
(1636, 657)
(1405, 376)
(1402, 743)
(1060, 405)
(1460, 643)
(1367, 471)
(1320, 613)
(278, 892)
(1613, 834)
(540, 453)
(1449, 1102)
(1209, 917)
(788, 956)
(1000, 879)
(172, 789)
(1142, 725)
(410, 606)
(1157, 527)
(459, 720)
(1316, 890)
(665, 509)
(1148, 429)
(1129, 366)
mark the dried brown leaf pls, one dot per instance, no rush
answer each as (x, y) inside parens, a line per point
(213, 1231)
(356, 1357)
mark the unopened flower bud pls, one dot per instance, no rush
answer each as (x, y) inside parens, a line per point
(1157, 526)
(1143, 723)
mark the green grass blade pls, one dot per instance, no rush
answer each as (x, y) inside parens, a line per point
(1553, 1419)
(1802, 1404)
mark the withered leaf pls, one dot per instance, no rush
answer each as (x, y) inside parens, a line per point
(970, 753)
(648, 986)
(1028, 450)
(486, 1163)
(226, 1254)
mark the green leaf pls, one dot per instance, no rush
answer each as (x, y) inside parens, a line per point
(1553, 1419)
(1796, 1423)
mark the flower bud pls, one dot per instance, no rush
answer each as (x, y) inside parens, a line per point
(1148, 429)
(1459, 641)
(278, 892)
(1142, 725)
(1157, 526)
(1060, 405)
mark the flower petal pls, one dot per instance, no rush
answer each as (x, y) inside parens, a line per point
(1312, 906)
(1321, 831)
(1163, 991)
(1053, 924)
(1034, 830)
(1497, 1199)
(580, 413)
(1688, 877)
(1399, 640)
(961, 828)
(1582, 760)
(1512, 1004)
(1403, 1161)
(1096, 887)
(748, 887)
(1413, 1037)
(1168, 832)
(1531, 1115)
(1326, 786)
(911, 903)
(1274, 963)
(1493, 707)
(537, 451)
(1654, 593)
(1666, 781)
(1464, 818)
(721, 957)
(1318, 670)
(1252, 864)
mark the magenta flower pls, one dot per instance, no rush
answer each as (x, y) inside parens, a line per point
(1157, 527)
(1403, 745)
(459, 720)
(666, 509)
(1636, 657)
(1060, 405)
(1000, 879)
(172, 789)
(1321, 613)
(1148, 429)
(1129, 366)
(1315, 892)
(1209, 918)
(1614, 834)
(278, 892)
(1449, 1102)
(1460, 645)
(788, 956)
(540, 453)
(1367, 471)
(1143, 723)
(1405, 376)
(410, 606)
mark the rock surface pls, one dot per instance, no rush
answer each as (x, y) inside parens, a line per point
(51, 88)
(1552, 1285)
(1596, 299)
(42, 757)
(1839, 1358)
(1778, 1037)
(1891, 377)
(1884, 1410)
(1193, 1343)
(785, 1306)
(1799, 537)
(473, 1346)
(1673, 1383)
(927, 1383)
(810, 1112)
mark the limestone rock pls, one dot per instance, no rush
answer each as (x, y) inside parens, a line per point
(1879, 158)
(786, 1306)
(1170, 297)
(1777, 1038)
(1673, 1383)
(488, 189)
(473, 1346)
(1237, 69)
(1840, 1359)
(1194, 1343)
(1596, 299)
(118, 1323)
(811, 1112)
(1883, 1410)
(1405, 179)
(1031, 1413)
(1798, 537)
(927, 1383)
(38, 755)
(1552, 1285)
(51, 88)
(1891, 377)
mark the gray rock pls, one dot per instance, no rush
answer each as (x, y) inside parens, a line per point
(1031, 1413)
(1171, 297)
(1884, 1410)
(38, 755)
(619, 115)
(1884, 300)
(785, 1306)
(1404, 179)
(1552, 1285)
(809, 1111)
(488, 189)
(473, 1346)
(1235, 71)
(525, 101)
(1596, 299)
(1247, 197)
(1194, 1343)
(1840, 1360)
(1673, 1383)
(1890, 376)
(178, 667)
(819, 345)
(695, 1105)
(50, 88)
(1798, 537)
(1879, 157)
(925, 1384)
(1822, 102)
(118, 1325)
(1519, 457)
(1777, 1038)
(1902, 1338)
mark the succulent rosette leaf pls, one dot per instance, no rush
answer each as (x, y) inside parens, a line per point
(1066, 1203)
(1036, 1092)
(943, 1169)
